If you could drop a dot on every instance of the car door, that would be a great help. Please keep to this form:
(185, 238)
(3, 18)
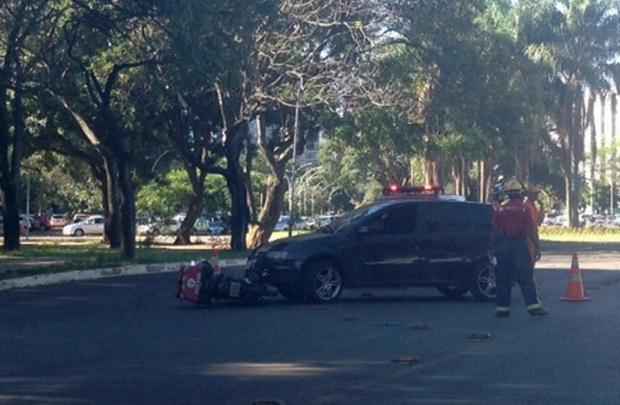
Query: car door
(387, 246)
(88, 226)
(98, 226)
(445, 228)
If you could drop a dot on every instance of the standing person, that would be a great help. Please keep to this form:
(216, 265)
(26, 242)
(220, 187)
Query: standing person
(535, 210)
(513, 226)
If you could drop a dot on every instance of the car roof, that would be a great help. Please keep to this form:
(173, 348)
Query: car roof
(404, 200)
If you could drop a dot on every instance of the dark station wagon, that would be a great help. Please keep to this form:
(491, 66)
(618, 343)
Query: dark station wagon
(410, 238)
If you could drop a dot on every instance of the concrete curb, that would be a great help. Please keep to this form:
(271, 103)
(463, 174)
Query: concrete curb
(95, 274)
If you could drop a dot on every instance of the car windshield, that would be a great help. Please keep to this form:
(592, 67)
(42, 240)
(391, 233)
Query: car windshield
(350, 217)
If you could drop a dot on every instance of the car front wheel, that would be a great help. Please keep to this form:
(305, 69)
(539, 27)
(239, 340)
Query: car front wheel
(484, 282)
(323, 281)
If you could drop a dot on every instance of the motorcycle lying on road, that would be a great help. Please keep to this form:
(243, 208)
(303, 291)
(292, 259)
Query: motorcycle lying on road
(201, 284)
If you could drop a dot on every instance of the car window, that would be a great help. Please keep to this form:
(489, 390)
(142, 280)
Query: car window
(396, 220)
(446, 217)
(99, 220)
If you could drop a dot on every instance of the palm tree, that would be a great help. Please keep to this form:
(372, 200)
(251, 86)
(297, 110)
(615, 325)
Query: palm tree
(579, 43)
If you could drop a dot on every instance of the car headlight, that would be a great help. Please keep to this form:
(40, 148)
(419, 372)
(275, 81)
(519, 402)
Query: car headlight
(277, 255)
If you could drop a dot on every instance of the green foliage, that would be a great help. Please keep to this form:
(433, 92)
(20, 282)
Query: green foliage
(171, 195)
(61, 184)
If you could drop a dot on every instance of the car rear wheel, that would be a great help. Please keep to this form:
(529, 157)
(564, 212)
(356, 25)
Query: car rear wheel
(452, 291)
(323, 281)
(483, 282)
(78, 232)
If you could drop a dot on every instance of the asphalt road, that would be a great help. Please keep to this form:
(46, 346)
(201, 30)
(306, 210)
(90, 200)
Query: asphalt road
(128, 341)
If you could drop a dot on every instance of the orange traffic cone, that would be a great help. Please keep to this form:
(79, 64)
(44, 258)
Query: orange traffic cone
(575, 291)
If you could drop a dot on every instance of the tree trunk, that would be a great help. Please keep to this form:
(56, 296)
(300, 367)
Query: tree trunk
(270, 212)
(248, 181)
(11, 148)
(570, 201)
(432, 169)
(483, 176)
(99, 174)
(522, 163)
(239, 209)
(193, 212)
(11, 214)
(613, 163)
(593, 151)
(577, 136)
(602, 133)
(460, 177)
(235, 180)
(128, 208)
(464, 177)
(113, 220)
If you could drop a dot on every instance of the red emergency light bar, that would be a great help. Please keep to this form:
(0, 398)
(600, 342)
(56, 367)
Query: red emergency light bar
(395, 190)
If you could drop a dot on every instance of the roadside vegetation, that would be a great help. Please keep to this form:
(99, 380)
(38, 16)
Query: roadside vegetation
(52, 258)
(580, 235)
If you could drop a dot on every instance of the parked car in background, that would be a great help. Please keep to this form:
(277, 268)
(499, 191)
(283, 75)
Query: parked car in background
(26, 221)
(81, 217)
(282, 224)
(39, 222)
(145, 225)
(162, 227)
(93, 225)
(217, 228)
(58, 220)
(23, 226)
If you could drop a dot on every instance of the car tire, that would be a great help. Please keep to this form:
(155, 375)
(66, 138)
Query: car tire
(452, 292)
(483, 282)
(323, 282)
(78, 232)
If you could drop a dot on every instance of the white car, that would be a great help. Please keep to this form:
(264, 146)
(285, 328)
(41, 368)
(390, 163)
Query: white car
(92, 225)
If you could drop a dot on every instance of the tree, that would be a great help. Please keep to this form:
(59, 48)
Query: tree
(172, 194)
(25, 26)
(310, 57)
(104, 44)
(209, 83)
(63, 183)
(578, 41)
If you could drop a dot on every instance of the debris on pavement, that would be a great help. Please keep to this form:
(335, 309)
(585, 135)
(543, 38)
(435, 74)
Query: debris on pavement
(407, 361)
(391, 324)
(419, 326)
(480, 337)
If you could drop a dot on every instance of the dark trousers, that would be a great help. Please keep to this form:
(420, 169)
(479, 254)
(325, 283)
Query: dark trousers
(513, 265)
